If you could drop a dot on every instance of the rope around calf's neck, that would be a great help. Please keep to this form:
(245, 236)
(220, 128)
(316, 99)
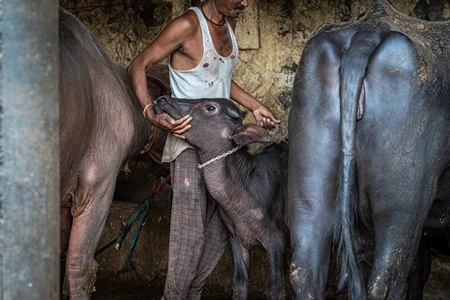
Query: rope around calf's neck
(218, 157)
(279, 128)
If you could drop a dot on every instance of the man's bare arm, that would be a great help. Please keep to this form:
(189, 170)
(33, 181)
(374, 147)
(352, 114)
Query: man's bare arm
(262, 114)
(173, 37)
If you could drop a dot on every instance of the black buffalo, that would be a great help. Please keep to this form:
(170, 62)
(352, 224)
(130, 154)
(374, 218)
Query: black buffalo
(369, 155)
(251, 189)
(102, 130)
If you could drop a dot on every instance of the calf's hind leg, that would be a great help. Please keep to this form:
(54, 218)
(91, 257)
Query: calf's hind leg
(276, 249)
(241, 266)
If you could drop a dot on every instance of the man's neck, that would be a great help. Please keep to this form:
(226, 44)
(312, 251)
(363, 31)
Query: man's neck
(211, 13)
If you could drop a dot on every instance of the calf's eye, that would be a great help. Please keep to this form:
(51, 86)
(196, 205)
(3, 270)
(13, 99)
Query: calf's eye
(210, 108)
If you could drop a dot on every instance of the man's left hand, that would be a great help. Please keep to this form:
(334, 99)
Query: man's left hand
(265, 118)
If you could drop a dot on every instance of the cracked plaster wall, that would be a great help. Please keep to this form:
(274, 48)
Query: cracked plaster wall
(271, 34)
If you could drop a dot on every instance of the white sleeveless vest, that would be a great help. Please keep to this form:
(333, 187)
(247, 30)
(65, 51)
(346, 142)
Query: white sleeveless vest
(211, 78)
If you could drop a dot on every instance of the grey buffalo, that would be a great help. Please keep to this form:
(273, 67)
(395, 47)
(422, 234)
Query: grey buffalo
(250, 189)
(102, 130)
(369, 151)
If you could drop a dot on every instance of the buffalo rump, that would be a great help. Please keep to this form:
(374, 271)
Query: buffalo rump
(101, 130)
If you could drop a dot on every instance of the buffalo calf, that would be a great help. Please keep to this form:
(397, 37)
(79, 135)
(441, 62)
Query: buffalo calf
(250, 189)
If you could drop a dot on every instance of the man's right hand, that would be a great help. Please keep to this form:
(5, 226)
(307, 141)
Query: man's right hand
(176, 127)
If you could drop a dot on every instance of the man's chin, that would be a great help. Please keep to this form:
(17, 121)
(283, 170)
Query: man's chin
(236, 13)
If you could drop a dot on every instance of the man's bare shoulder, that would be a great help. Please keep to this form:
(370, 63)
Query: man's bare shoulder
(187, 23)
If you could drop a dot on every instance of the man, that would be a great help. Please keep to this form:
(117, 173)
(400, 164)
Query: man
(203, 54)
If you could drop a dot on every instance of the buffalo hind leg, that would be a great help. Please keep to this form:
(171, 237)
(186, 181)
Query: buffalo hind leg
(65, 227)
(88, 222)
(397, 238)
(311, 252)
(420, 270)
(314, 141)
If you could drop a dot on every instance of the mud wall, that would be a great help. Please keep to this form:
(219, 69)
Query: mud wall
(271, 34)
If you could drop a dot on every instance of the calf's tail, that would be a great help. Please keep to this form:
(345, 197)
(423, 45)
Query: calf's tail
(353, 68)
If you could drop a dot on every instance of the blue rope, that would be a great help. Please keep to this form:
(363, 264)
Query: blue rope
(145, 208)
(143, 211)
(126, 228)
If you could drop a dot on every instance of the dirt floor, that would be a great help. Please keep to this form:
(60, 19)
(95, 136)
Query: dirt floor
(132, 290)
(154, 291)
(149, 257)
(135, 291)
(110, 289)
(146, 281)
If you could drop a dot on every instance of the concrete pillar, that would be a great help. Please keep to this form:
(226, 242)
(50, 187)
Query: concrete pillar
(29, 152)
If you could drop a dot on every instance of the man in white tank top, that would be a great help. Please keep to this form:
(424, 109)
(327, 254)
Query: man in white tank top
(203, 54)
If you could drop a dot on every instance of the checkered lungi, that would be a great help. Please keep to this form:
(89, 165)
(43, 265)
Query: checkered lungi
(198, 236)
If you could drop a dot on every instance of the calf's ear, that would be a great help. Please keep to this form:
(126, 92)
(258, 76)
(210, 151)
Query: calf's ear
(233, 113)
(250, 133)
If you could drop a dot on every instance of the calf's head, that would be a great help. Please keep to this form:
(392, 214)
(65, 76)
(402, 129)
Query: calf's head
(216, 123)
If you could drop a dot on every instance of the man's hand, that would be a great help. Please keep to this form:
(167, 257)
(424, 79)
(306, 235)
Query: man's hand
(265, 118)
(176, 127)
